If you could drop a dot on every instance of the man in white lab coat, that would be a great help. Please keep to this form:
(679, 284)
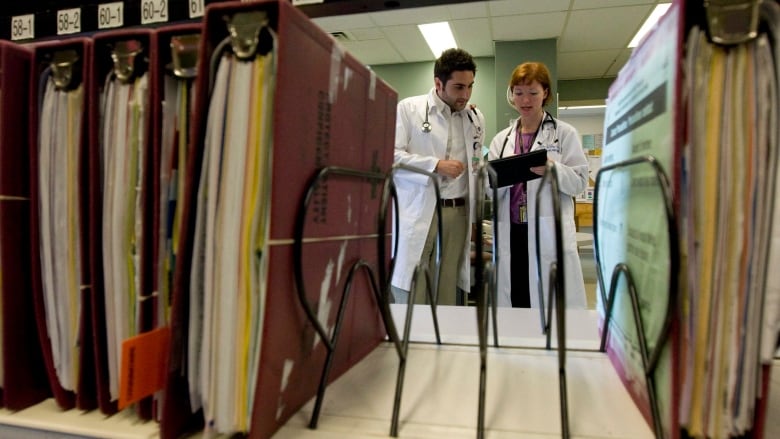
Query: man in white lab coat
(439, 133)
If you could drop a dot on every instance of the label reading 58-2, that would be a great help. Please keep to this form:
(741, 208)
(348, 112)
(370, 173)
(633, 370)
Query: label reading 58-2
(68, 21)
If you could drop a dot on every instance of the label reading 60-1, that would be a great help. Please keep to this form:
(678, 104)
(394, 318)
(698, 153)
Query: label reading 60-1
(111, 15)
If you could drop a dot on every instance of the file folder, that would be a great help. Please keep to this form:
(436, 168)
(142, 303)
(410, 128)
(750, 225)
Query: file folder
(24, 379)
(517, 168)
(70, 74)
(328, 109)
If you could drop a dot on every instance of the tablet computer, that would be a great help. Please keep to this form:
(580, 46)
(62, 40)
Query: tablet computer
(517, 168)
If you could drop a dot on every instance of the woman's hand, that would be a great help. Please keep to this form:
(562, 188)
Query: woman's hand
(539, 170)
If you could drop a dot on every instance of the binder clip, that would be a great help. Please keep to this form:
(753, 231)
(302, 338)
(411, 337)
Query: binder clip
(63, 68)
(732, 21)
(126, 59)
(184, 55)
(244, 29)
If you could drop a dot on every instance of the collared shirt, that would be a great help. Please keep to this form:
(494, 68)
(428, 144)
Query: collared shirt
(456, 150)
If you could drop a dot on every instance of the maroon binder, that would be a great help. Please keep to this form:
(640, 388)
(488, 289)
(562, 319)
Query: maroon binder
(329, 110)
(102, 66)
(84, 396)
(24, 378)
(160, 61)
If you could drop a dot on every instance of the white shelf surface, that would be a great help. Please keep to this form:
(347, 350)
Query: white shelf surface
(440, 397)
(517, 327)
(47, 420)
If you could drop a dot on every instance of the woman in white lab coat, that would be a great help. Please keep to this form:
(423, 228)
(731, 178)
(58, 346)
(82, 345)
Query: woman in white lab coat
(528, 92)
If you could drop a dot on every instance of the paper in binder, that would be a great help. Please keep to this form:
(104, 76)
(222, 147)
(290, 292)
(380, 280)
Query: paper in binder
(260, 135)
(59, 218)
(120, 214)
(22, 374)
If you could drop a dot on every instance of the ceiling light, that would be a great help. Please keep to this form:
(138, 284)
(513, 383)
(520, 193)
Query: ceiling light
(438, 36)
(658, 12)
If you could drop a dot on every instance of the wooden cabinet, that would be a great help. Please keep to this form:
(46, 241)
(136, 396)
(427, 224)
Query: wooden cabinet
(583, 214)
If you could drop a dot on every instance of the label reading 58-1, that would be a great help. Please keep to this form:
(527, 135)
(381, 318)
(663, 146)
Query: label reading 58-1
(154, 11)
(23, 27)
(68, 21)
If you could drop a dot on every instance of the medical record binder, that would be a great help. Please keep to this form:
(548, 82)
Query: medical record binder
(24, 376)
(327, 110)
(64, 64)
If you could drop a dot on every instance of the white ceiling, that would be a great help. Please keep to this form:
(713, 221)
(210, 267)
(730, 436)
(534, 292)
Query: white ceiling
(592, 34)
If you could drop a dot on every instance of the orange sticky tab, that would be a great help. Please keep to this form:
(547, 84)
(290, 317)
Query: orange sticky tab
(144, 362)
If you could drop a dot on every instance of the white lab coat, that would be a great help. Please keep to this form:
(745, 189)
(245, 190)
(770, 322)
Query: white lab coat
(565, 148)
(416, 193)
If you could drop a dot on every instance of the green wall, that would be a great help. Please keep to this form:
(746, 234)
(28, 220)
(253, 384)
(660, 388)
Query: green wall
(410, 79)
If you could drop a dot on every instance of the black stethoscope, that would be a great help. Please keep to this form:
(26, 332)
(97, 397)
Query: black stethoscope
(426, 125)
(547, 119)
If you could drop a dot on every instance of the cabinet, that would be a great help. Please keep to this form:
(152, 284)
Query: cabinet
(583, 214)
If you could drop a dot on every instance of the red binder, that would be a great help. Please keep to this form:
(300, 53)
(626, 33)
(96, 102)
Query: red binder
(102, 65)
(160, 64)
(329, 110)
(84, 396)
(24, 378)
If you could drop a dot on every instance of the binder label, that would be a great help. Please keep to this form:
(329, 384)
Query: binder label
(68, 21)
(154, 11)
(23, 27)
(196, 8)
(144, 364)
(111, 15)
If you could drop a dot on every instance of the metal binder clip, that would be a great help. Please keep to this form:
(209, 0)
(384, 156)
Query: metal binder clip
(125, 56)
(732, 21)
(62, 65)
(244, 31)
(184, 55)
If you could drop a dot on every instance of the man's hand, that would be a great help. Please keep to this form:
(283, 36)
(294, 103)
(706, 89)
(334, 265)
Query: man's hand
(449, 168)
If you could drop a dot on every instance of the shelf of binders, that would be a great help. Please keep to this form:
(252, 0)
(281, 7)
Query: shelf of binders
(35, 20)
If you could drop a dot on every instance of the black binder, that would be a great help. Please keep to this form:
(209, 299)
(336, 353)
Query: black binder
(517, 168)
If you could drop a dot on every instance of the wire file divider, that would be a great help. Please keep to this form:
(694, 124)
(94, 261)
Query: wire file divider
(385, 276)
(485, 276)
(331, 341)
(380, 284)
(650, 359)
(556, 295)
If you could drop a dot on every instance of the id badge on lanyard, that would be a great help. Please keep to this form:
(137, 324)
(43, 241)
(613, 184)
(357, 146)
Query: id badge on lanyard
(522, 214)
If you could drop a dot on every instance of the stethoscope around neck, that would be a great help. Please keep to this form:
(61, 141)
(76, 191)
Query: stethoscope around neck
(547, 119)
(426, 125)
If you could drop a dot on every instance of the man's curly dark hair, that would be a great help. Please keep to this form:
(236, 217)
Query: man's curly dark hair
(452, 60)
